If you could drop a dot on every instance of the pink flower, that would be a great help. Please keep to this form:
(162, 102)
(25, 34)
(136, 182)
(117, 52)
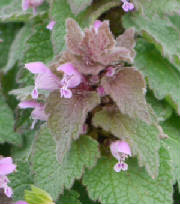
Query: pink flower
(127, 6)
(97, 24)
(20, 202)
(38, 113)
(26, 4)
(71, 79)
(51, 25)
(6, 167)
(110, 71)
(120, 150)
(100, 91)
(45, 79)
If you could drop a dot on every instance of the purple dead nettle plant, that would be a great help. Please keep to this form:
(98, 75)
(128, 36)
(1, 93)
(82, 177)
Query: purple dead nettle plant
(94, 62)
(6, 167)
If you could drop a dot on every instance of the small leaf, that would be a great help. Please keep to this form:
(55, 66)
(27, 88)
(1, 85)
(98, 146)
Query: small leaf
(162, 77)
(172, 143)
(127, 89)
(7, 134)
(54, 177)
(20, 180)
(67, 117)
(79, 5)
(37, 195)
(133, 186)
(143, 138)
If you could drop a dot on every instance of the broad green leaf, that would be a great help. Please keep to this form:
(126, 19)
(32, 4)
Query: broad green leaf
(131, 187)
(13, 12)
(7, 33)
(20, 180)
(60, 11)
(172, 129)
(161, 108)
(161, 32)
(143, 138)
(69, 197)
(153, 7)
(67, 117)
(127, 89)
(54, 177)
(162, 77)
(79, 5)
(18, 46)
(7, 134)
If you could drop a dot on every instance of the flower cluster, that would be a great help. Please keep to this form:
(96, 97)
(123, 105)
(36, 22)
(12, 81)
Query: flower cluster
(26, 4)
(120, 150)
(127, 6)
(6, 167)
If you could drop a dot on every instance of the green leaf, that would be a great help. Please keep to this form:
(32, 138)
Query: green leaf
(131, 187)
(127, 89)
(8, 31)
(7, 133)
(37, 195)
(79, 5)
(143, 138)
(171, 128)
(18, 46)
(162, 77)
(67, 117)
(54, 177)
(153, 7)
(38, 46)
(161, 108)
(20, 180)
(13, 12)
(69, 197)
(85, 18)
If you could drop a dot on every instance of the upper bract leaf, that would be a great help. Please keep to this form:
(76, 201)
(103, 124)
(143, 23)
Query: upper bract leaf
(54, 177)
(67, 116)
(127, 89)
(143, 138)
(131, 187)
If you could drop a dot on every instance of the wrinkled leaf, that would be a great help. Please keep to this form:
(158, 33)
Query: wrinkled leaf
(54, 177)
(162, 77)
(127, 89)
(143, 138)
(67, 117)
(133, 186)
(79, 5)
(69, 197)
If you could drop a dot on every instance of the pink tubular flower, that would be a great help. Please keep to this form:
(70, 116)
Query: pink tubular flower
(120, 150)
(71, 79)
(38, 113)
(26, 4)
(97, 24)
(6, 167)
(110, 71)
(127, 6)
(45, 79)
(51, 25)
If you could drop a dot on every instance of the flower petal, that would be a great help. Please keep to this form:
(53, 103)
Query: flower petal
(25, 5)
(51, 25)
(28, 104)
(37, 67)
